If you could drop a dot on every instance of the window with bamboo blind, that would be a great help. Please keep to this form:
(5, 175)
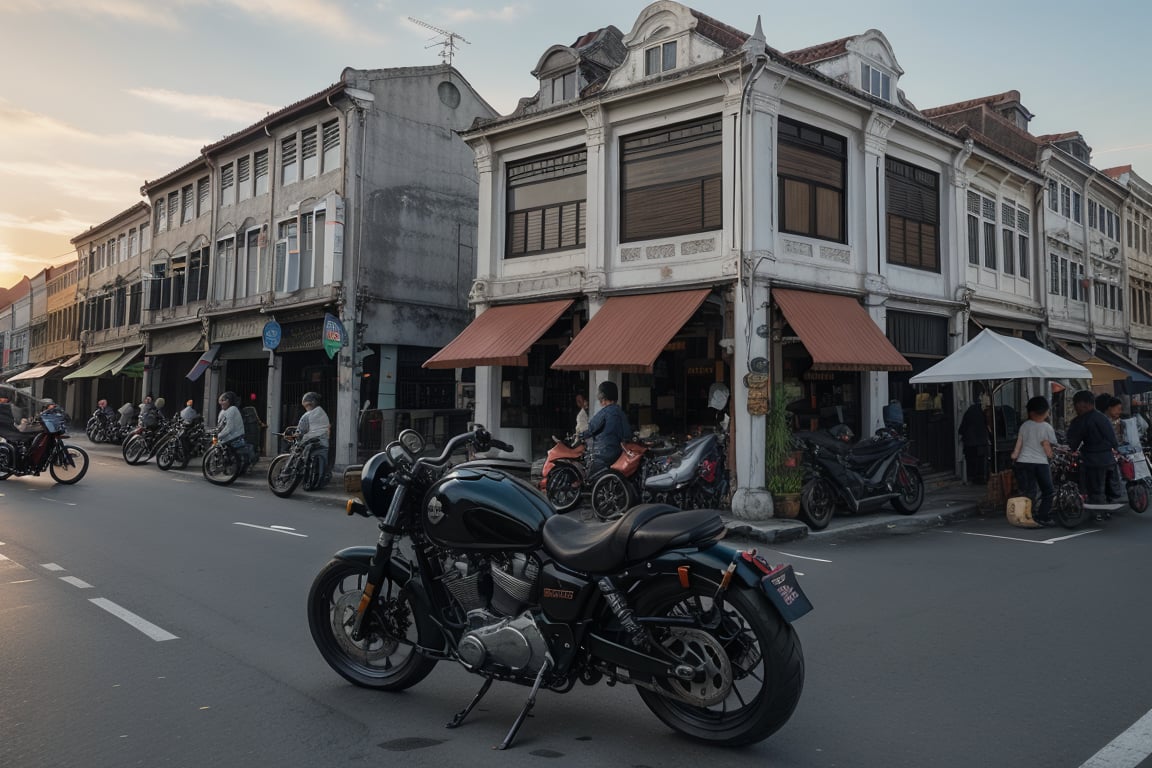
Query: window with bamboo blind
(547, 203)
(671, 181)
(913, 215)
(811, 166)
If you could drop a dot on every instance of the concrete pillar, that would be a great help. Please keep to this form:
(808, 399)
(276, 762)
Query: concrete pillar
(272, 403)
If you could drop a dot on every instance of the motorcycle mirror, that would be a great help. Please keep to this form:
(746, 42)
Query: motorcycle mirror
(412, 441)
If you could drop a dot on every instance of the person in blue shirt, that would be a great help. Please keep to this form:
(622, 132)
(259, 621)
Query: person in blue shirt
(609, 426)
(1092, 434)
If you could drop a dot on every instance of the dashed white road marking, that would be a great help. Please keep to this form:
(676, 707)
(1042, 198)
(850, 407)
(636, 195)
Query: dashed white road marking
(2, 557)
(272, 528)
(78, 583)
(1033, 541)
(57, 501)
(53, 567)
(802, 557)
(125, 615)
(242, 496)
(22, 581)
(1127, 750)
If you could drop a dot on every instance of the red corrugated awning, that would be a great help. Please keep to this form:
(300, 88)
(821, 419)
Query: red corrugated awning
(838, 334)
(500, 335)
(628, 332)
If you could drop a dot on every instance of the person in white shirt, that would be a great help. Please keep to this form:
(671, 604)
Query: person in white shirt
(1032, 453)
(581, 414)
(314, 424)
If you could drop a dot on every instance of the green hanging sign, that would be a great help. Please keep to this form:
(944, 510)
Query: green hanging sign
(333, 334)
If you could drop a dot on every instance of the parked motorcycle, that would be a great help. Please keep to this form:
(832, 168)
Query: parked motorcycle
(499, 583)
(695, 477)
(618, 488)
(301, 464)
(565, 472)
(860, 476)
(181, 442)
(141, 444)
(43, 450)
(103, 428)
(1068, 504)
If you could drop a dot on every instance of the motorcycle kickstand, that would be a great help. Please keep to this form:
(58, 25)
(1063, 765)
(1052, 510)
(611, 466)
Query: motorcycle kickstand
(531, 702)
(459, 718)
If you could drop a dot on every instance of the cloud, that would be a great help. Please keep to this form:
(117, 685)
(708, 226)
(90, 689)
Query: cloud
(80, 181)
(63, 223)
(25, 130)
(503, 13)
(137, 11)
(215, 107)
(1129, 148)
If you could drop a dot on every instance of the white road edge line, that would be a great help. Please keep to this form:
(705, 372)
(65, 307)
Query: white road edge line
(1033, 541)
(57, 501)
(147, 627)
(78, 583)
(2, 557)
(1127, 750)
(274, 530)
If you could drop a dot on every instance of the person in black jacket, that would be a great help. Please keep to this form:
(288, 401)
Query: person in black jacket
(1091, 433)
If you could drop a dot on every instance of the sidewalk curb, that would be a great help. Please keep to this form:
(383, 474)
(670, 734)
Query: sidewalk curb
(869, 526)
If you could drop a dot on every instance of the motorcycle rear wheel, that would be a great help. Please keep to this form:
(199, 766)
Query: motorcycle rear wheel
(69, 465)
(221, 467)
(386, 658)
(911, 493)
(94, 432)
(166, 455)
(135, 450)
(817, 503)
(563, 487)
(1138, 497)
(612, 496)
(282, 476)
(763, 656)
(1068, 507)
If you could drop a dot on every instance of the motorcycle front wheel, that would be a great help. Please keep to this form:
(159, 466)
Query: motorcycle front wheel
(754, 666)
(612, 496)
(817, 503)
(69, 465)
(1068, 507)
(563, 487)
(911, 491)
(93, 430)
(135, 450)
(385, 658)
(282, 476)
(166, 455)
(221, 467)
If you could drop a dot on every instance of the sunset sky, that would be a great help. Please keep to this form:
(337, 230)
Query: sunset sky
(99, 95)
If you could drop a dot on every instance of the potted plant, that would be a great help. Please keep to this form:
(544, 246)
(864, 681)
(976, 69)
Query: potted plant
(785, 478)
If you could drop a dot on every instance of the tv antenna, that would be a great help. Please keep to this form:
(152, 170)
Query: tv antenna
(445, 39)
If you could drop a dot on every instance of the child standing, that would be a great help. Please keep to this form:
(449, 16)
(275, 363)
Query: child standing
(1031, 454)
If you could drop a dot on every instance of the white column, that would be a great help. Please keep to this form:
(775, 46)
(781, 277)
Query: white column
(272, 402)
(874, 384)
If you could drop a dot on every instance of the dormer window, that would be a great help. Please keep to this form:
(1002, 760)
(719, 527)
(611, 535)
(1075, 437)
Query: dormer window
(660, 58)
(875, 82)
(564, 87)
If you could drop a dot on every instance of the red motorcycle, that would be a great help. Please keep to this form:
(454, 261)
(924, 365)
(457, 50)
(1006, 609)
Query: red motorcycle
(30, 453)
(618, 489)
(565, 472)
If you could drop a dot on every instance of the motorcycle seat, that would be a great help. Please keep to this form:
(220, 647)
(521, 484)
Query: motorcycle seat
(868, 451)
(643, 531)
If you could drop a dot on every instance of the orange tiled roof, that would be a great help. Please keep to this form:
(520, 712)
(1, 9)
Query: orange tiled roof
(820, 52)
(991, 101)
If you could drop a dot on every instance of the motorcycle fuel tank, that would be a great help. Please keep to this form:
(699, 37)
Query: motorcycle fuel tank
(484, 509)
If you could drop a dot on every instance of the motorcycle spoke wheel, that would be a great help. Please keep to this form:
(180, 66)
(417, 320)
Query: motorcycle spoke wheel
(69, 464)
(910, 485)
(1138, 497)
(282, 476)
(95, 434)
(817, 504)
(1068, 506)
(612, 496)
(166, 456)
(221, 467)
(182, 455)
(752, 663)
(135, 450)
(563, 487)
(385, 658)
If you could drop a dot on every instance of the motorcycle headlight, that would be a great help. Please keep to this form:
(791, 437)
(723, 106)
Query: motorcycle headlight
(374, 485)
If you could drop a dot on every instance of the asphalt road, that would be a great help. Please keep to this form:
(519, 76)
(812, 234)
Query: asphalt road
(148, 618)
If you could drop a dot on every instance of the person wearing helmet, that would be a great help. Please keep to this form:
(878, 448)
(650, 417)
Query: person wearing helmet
(315, 425)
(188, 413)
(610, 426)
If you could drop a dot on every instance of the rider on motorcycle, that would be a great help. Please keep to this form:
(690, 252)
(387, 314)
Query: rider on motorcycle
(314, 424)
(230, 429)
(610, 425)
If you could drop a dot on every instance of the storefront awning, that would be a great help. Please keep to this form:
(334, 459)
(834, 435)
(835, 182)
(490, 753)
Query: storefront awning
(127, 357)
(34, 373)
(175, 342)
(838, 334)
(97, 366)
(629, 332)
(203, 363)
(1141, 378)
(72, 362)
(500, 335)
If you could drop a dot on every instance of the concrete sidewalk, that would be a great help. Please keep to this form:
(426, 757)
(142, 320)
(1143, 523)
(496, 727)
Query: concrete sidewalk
(941, 506)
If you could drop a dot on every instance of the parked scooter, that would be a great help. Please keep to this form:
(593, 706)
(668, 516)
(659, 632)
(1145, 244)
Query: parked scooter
(860, 476)
(565, 472)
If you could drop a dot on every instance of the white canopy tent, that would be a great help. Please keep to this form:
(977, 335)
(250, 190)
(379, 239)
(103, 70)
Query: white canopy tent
(996, 360)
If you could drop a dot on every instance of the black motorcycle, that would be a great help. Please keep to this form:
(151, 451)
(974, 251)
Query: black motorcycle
(181, 442)
(142, 442)
(224, 462)
(105, 428)
(500, 584)
(42, 449)
(301, 464)
(857, 476)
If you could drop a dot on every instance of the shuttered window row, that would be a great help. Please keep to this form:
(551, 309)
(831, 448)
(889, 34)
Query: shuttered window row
(811, 167)
(913, 209)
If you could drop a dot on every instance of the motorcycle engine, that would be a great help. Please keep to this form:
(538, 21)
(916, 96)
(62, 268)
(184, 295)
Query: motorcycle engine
(494, 594)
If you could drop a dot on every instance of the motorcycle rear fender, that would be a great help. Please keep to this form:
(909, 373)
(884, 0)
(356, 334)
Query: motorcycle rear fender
(400, 571)
(711, 561)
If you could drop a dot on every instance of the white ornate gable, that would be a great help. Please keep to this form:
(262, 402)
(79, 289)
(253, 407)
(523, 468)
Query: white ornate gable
(660, 23)
(872, 47)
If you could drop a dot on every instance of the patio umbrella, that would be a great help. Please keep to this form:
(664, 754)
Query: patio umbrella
(995, 360)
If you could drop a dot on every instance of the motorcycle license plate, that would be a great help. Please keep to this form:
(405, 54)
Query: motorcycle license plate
(784, 591)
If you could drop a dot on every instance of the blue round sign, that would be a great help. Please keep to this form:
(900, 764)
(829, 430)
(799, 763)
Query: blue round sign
(271, 334)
